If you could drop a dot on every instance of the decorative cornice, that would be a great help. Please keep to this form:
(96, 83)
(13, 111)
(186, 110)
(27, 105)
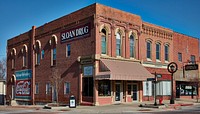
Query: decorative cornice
(153, 31)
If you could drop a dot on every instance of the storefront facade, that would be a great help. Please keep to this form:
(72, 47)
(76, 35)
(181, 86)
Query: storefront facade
(186, 52)
(97, 56)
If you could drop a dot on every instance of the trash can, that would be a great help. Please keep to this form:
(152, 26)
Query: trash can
(72, 102)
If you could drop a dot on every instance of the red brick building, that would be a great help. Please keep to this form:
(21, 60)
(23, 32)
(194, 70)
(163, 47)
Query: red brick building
(186, 52)
(99, 54)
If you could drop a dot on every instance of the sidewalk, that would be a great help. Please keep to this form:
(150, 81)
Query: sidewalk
(114, 108)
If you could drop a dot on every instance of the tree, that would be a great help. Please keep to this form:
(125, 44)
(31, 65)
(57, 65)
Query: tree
(3, 68)
(56, 82)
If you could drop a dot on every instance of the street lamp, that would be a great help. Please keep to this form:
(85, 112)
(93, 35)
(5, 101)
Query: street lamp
(172, 68)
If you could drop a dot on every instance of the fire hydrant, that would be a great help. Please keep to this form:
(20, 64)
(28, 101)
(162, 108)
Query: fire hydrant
(160, 101)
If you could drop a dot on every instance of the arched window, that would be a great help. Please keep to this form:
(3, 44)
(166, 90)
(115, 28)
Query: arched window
(132, 46)
(13, 55)
(103, 42)
(149, 47)
(158, 51)
(166, 52)
(24, 52)
(38, 52)
(53, 43)
(118, 44)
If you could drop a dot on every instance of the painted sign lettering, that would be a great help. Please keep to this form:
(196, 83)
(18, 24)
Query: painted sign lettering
(23, 84)
(74, 33)
(23, 88)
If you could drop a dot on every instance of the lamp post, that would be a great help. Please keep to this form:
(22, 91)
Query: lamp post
(172, 68)
(155, 103)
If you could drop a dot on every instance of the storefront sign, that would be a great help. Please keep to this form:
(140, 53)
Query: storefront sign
(75, 33)
(88, 70)
(191, 67)
(23, 84)
(23, 88)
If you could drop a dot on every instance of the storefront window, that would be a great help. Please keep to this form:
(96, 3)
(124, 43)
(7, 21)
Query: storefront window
(188, 90)
(104, 88)
(148, 88)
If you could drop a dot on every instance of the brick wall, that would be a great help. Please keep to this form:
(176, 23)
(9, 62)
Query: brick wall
(187, 46)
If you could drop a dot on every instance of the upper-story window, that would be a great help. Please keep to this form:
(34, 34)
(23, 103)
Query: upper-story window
(179, 56)
(166, 52)
(132, 46)
(192, 59)
(13, 56)
(38, 52)
(68, 50)
(53, 43)
(42, 57)
(118, 44)
(24, 52)
(149, 47)
(54, 56)
(157, 51)
(103, 42)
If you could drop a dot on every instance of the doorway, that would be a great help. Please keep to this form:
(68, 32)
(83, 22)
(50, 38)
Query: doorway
(135, 92)
(117, 92)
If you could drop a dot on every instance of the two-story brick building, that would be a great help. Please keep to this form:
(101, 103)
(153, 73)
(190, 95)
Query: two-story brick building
(99, 54)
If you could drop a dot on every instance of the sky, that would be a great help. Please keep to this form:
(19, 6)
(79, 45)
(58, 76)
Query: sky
(18, 16)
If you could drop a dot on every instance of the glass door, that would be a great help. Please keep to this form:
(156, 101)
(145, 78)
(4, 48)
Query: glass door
(117, 93)
(135, 92)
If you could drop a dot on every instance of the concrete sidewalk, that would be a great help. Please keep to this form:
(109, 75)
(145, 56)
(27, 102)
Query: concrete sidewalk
(114, 108)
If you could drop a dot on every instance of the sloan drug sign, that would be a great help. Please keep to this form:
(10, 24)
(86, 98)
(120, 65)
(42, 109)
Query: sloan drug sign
(75, 33)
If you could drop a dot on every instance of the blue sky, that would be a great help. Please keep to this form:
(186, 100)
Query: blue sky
(18, 16)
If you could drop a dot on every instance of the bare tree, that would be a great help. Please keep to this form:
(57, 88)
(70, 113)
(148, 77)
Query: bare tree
(196, 82)
(56, 82)
(3, 68)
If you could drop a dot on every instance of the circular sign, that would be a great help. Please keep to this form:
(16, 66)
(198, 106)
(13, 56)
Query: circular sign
(172, 67)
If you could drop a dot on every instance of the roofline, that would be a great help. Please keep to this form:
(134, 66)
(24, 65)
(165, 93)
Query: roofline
(186, 35)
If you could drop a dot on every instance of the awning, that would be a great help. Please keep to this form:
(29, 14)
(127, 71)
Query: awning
(122, 70)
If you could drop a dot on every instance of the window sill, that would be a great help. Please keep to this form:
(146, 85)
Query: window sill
(167, 62)
(148, 59)
(24, 67)
(13, 68)
(105, 55)
(157, 60)
(37, 65)
(119, 57)
(132, 58)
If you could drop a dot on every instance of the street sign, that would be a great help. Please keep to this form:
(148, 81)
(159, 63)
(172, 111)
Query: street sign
(191, 67)
(150, 79)
(159, 75)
